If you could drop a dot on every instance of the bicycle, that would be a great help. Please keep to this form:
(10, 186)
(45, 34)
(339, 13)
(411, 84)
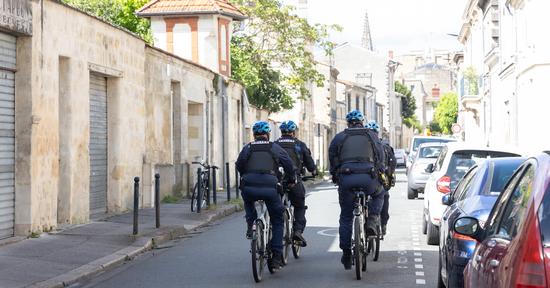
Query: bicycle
(288, 220)
(260, 245)
(199, 197)
(359, 244)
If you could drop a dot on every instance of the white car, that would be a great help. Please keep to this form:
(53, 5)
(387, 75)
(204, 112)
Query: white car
(451, 165)
(400, 157)
(417, 140)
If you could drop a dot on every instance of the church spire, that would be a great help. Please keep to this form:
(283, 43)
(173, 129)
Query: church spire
(366, 40)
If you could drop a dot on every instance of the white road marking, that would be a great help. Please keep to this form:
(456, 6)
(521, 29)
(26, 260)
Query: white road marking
(418, 254)
(420, 281)
(419, 273)
(417, 259)
(335, 246)
(418, 266)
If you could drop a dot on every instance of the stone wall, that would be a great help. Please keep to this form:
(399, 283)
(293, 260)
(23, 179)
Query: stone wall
(156, 108)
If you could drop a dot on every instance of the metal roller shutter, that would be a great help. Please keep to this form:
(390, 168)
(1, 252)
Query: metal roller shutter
(7, 134)
(98, 145)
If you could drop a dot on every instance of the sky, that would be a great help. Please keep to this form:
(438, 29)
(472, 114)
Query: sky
(398, 25)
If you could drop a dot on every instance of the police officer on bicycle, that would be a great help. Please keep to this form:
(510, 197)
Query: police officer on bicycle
(390, 164)
(301, 156)
(356, 162)
(258, 164)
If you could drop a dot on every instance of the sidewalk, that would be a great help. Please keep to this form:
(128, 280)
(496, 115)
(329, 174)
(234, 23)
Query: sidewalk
(61, 258)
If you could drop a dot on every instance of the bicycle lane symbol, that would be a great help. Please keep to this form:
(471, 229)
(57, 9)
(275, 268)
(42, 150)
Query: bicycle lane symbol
(332, 232)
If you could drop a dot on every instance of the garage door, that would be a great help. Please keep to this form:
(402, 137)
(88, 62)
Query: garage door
(7, 134)
(98, 145)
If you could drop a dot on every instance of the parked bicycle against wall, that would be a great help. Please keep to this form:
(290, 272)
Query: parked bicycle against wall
(201, 189)
(288, 220)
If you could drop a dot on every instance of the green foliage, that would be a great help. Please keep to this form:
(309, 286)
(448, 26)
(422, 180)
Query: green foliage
(171, 199)
(118, 12)
(434, 127)
(471, 84)
(446, 112)
(273, 56)
(408, 105)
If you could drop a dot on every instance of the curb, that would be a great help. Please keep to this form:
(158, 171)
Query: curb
(141, 245)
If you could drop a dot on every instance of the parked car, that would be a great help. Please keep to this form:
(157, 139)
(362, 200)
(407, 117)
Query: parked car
(417, 176)
(401, 157)
(417, 140)
(474, 196)
(514, 244)
(451, 165)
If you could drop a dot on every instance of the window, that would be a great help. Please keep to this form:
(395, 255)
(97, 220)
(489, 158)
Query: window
(464, 186)
(348, 96)
(544, 218)
(440, 160)
(357, 103)
(430, 152)
(223, 37)
(516, 208)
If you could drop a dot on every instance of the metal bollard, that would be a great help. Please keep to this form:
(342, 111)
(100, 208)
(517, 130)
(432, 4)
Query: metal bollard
(228, 181)
(136, 204)
(214, 186)
(236, 182)
(157, 199)
(199, 190)
(208, 188)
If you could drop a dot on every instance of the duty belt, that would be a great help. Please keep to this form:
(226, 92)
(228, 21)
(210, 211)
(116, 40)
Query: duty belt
(348, 171)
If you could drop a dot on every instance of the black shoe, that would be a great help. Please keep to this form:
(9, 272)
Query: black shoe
(384, 230)
(299, 239)
(346, 259)
(373, 222)
(249, 232)
(276, 261)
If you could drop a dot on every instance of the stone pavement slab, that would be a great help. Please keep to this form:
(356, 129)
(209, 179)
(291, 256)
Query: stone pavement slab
(60, 258)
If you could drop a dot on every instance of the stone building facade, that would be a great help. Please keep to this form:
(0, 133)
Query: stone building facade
(86, 107)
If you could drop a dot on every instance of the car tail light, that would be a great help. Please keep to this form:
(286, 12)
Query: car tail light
(444, 184)
(531, 272)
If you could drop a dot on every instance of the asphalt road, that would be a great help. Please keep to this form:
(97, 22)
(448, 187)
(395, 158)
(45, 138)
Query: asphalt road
(219, 255)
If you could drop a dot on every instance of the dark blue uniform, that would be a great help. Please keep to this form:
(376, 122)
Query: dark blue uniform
(390, 163)
(297, 194)
(263, 186)
(364, 175)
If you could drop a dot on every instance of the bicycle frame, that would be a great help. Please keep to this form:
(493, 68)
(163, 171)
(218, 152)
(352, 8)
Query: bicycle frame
(263, 216)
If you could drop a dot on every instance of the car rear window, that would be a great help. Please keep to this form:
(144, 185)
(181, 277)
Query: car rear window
(462, 161)
(419, 141)
(544, 218)
(430, 152)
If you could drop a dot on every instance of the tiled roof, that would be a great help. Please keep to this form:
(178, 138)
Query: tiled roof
(187, 7)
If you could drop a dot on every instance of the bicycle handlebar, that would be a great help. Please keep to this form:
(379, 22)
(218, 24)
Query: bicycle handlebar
(206, 166)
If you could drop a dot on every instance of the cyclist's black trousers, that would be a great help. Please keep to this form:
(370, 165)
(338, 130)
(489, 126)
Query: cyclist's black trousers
(297, 198)
(385, 214)
(347, 202)
(264, 187)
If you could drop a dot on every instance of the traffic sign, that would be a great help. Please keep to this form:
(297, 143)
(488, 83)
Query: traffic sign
(456, 128)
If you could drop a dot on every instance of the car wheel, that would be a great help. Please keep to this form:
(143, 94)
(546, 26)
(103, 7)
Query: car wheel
(424, 224)
(411, 194)
(440, 283)
(432, 233)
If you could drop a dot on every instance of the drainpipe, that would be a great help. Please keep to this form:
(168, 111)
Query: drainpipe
(224, 119)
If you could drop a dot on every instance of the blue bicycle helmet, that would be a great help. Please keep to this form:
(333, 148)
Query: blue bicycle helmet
(288, 126)
(355, 116)
(372, 125)
(261, 127)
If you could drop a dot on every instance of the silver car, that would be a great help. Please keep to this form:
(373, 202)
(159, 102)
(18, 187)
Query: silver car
(426, 154)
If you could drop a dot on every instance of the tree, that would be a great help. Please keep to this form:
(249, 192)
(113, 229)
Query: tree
(118, 12)
(278, 42)
(446, 112)
(408, 104)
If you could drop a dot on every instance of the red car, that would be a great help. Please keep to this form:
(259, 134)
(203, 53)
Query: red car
(514, 244)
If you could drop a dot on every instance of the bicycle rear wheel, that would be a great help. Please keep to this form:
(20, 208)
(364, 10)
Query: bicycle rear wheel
(357, 247)
(257, 252)
(375, 250)
(287, 237)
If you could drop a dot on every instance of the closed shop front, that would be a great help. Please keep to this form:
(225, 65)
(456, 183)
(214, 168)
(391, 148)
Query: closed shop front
(7, 134)
(98, 145)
